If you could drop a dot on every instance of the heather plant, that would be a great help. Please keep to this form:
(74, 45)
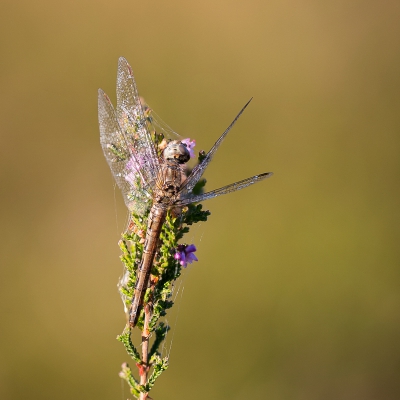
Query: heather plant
(171, 257)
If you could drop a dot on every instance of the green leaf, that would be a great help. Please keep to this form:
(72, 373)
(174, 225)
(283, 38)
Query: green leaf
(159, 366)
(125, 338)
(134, 385)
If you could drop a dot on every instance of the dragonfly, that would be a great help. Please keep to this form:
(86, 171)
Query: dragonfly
(151, 181)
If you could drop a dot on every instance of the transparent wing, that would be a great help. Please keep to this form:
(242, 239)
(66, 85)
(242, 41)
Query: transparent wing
(199, 169)
(233, 187)
(160, 125)
(135, 124)
(121, 159)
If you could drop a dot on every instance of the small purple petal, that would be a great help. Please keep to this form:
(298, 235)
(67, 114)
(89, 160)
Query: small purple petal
(190, 258)
(190, 145)
(133, 167)
(185, 254)
(190, 249)
(131, 178)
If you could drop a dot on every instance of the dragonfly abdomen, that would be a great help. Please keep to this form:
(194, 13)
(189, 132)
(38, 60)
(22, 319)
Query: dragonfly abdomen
(154, 225)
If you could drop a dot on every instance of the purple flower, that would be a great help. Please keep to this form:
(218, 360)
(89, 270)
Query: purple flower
(190, 145)
(185, 254)
(133, 166)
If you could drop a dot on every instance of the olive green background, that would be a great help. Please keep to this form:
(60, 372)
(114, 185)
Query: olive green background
(296, 294)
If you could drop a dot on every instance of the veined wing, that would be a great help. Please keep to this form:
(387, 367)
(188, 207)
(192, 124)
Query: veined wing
(121, 158)
(199, 169)
(233, 187)
(135, 124)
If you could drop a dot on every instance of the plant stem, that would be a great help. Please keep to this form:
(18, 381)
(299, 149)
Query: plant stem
(145, 348)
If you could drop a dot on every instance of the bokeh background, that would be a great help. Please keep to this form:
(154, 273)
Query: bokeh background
(296, 294)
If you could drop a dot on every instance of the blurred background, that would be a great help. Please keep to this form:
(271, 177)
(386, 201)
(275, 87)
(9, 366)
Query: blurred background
(296, 294)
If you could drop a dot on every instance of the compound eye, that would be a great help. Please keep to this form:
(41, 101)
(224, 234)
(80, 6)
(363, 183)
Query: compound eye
(178, 151)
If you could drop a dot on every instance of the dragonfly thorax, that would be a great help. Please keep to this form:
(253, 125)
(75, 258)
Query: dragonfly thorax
(169, 182)
(178, 151)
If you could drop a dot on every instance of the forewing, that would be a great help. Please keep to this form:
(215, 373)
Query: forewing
(120, 156)
(199, 169)
(233, 187)
(135, 125)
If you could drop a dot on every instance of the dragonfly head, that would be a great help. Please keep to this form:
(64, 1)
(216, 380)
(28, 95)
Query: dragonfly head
(178, 151)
